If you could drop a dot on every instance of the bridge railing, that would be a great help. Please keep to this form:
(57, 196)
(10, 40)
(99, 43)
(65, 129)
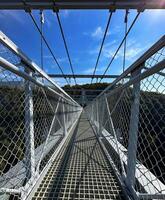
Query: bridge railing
(36, 116)
(129, 118)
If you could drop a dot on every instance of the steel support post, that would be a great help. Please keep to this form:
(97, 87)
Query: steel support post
(101, 115)
(63, 119)
(29, 130)
(95, 111)
(133, 133)
(72, 114)
(71, 110)
(91, 114)
(83, 97)
(68, 115)
(97, 115)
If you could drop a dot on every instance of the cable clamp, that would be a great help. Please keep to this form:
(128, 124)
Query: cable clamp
(42, 19)
(126, 16)
(27, 8)
(55, 9)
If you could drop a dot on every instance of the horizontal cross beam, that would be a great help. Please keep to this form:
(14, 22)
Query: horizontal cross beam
(82, 76)
(80, 90)
(78, 96)
(82, 4)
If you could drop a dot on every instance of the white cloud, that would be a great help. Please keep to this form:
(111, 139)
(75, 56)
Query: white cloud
(106, 46)
(156, 15)
(60, 60)
(115, 30)
(97, 33)
(15, 15)
(91, 70)
(48, 57)
(46, 70)
(133, 51)
(59, 81)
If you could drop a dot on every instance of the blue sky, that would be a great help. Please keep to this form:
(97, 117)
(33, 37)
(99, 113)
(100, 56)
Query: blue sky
(84, 31)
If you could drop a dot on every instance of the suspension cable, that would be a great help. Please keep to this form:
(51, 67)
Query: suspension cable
(136, 17)
(125, 42)
(101, 47)
(65, 44)
(41, 28)
(40, 32)
(35, 23)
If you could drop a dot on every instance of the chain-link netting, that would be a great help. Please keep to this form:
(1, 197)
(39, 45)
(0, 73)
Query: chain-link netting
(126, 106)
(33, 122)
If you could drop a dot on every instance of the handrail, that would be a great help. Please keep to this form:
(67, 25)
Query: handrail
(151, 51)
(17, 51)
(7, 65)
(128, 116)
(43, 113)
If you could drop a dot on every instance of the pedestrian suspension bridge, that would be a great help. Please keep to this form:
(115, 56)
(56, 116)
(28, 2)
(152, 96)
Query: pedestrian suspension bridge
(109, 146)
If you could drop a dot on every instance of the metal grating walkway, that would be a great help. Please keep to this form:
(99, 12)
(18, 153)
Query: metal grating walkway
(81, 170)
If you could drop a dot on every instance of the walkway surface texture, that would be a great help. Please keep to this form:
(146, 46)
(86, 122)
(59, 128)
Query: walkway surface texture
(81, 170)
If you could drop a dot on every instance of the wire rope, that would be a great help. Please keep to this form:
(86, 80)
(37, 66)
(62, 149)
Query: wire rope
(44, 39)
(135, 19)
(102, 43)
(66, 47)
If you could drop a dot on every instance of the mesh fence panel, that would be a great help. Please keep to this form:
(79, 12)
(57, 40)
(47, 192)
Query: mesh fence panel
(115, 121)
(32, 120)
